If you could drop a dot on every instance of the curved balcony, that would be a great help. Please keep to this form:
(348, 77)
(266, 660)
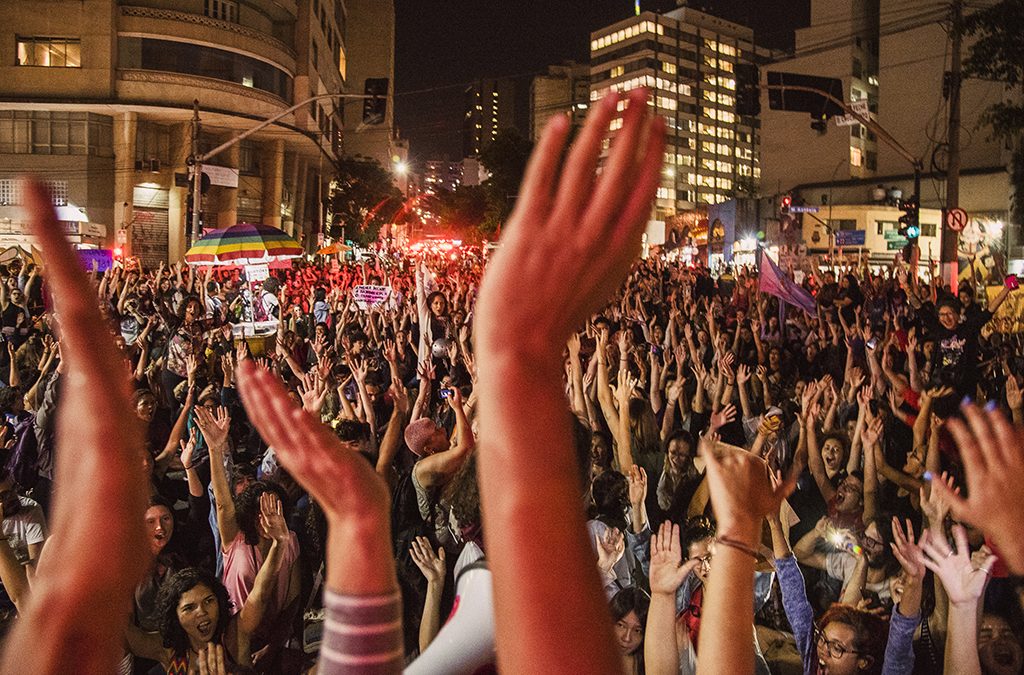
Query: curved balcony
(202, 29)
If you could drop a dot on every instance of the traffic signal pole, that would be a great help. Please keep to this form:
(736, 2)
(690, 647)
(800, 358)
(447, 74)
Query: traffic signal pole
(950, 237)
(196, 159)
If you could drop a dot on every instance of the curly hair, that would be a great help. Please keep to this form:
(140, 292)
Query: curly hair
(463, 495)
(247, 508)
(179, 583)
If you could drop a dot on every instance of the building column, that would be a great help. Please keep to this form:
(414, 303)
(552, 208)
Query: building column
(301, 190)
(292, 225)
(227, 211)
(125, 128)
(177, 208)
(272, 168)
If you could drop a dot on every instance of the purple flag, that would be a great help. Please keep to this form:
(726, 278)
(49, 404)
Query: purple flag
(773, 282)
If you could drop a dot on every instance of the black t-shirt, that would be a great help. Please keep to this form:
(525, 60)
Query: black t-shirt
(956, 356)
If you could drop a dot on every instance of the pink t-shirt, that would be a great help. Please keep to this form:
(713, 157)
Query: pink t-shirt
(241, 563)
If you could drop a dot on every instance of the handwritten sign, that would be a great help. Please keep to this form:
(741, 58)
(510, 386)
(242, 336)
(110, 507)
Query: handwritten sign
(257, 272)
(103, 258)
(371, 296)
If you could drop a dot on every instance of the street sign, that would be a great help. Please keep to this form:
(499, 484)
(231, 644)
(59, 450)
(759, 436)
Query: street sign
(850, 237)
(803, 209)
(957, 219)
(860, 107)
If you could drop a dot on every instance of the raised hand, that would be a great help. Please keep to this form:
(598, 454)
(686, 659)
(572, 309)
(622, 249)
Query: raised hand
(81, 592)
(1014, 399)
(211, 660)
(667, 570)
(723, 417)
(271, 519)
(742, 374)
(993, 455)
(907, 552)
(431, 565)
(743, 492)
(637, 484)
(188, 447)
(934, 504)
(354, 498)
(214, 426)
(313, 392)
(610, 548)
(964, 583)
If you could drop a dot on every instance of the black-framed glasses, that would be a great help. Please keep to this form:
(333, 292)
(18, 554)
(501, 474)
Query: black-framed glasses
(835, 649)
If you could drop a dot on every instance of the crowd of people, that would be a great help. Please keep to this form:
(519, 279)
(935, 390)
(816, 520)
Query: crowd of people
(586, 462)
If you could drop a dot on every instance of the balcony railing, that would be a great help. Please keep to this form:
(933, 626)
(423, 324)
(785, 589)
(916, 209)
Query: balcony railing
(203, 20)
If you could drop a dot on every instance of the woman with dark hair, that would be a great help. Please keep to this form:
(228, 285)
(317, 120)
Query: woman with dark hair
(432, 310)
(194, 611)
(680, 477)
(849, 298)
(629, 614)
(182, 344)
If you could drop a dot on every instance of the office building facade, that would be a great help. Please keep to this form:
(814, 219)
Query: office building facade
(97, 97)
(690, 62)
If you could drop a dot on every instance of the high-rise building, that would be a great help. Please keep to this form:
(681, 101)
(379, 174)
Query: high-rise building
(893, 59)
(489, 108)
(441, 175)
(692, 63)
(370, 42)
(563, 90)
(97, 96)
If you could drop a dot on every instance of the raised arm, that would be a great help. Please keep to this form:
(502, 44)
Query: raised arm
(81, 592)
(214, 428)
(541, 289)
(361, 588)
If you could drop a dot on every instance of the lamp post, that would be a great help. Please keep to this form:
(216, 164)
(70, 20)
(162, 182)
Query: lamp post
(197, 158)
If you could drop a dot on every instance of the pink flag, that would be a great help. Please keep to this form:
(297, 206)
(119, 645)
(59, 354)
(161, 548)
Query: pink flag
(773, 282)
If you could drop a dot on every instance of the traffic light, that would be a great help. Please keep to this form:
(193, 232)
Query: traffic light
(909, 222)
(375, 109)
(785, 203)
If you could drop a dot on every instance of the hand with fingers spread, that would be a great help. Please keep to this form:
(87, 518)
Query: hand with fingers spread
(81, 591)
(911, 558)
(214, 426)
(724, 416)
(567, 247)
(992, 451)
(271, 519)
(964, 583)
(352, 495)
(430, 564)
(934, 504)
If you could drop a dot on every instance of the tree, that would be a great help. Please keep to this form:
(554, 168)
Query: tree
(505, 159)
(359, 188)
(462, 210)
(997, 54)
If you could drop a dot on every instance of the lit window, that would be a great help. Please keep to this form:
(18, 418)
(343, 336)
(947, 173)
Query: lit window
(710, 62)
(727, 83)
(617, 71)
(50, 52)
(669, 68)
(615, 125)
(668, 103)
(725, 65)
(856, 158)
(684, 89)
(343, 63)
(594, 45)
(661, 29)
(708, 164)
(723, 183)
(685, 160)
(723, 167)
(707, 146)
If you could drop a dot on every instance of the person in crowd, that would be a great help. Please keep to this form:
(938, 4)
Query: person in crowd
(483, 397)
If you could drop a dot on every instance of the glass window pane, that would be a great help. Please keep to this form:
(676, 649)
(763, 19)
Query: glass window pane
(74, 55)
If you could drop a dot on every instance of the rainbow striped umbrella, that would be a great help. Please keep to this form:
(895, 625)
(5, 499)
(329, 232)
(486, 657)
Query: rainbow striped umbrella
(243, 244)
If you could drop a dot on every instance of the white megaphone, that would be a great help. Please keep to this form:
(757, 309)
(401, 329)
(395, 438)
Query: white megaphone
(465, 643)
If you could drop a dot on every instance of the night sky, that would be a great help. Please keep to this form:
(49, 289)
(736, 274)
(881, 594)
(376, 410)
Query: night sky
(442, 45)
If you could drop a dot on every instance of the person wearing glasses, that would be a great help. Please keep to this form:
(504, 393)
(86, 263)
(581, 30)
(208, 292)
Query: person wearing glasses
(847, 640)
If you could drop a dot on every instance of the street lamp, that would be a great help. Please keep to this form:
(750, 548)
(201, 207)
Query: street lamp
(197, 158)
